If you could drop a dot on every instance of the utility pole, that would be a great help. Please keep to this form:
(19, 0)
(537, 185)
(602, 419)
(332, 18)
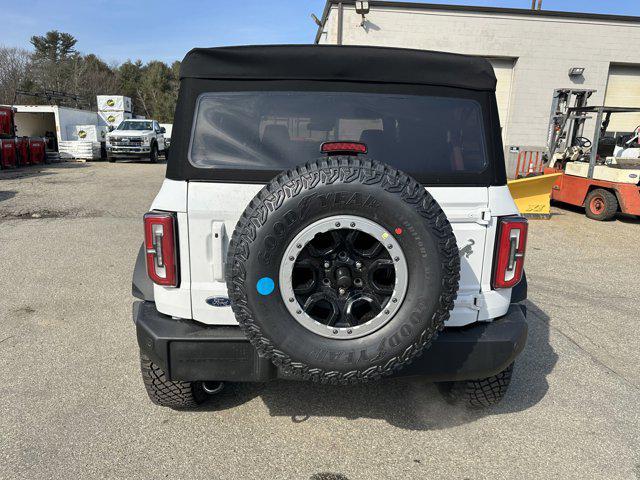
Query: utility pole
(539, 4)
(533, 4)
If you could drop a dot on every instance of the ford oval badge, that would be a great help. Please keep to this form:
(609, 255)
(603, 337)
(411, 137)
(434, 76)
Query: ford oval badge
(219, 301)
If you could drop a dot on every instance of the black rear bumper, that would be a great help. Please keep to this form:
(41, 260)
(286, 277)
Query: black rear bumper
(187, 350)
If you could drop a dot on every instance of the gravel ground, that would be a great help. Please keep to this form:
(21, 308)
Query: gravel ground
(73, 404)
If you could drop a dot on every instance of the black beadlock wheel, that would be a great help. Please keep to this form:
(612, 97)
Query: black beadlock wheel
(167, 393)
(342, 270)
(479, 393)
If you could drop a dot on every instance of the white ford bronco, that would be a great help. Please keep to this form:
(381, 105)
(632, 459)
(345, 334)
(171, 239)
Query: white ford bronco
(136, 138)
(335, 215)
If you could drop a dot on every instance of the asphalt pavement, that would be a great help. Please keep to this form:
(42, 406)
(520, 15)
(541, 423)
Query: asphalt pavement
(73, 404)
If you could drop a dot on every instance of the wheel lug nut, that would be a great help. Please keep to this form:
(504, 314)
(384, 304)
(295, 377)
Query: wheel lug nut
(292, 300)
(327, 264)
(397, 259)
(353, 224)
(389, 246)
(358, 265)
(335, 331)
(342, 291)
(395, 300)
(299, 245)
(298, 312)
(386, 312)
(349, 331)
(291, 259)
(337, 224)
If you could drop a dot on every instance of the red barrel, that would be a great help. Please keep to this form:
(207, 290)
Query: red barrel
(36, 151)
(7, 153)
(22, 149)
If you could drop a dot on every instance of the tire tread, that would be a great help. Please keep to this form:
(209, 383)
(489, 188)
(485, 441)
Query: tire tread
(167, 393)
(610, 204)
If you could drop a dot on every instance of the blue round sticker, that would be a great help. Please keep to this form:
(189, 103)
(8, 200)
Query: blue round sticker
(265, 286)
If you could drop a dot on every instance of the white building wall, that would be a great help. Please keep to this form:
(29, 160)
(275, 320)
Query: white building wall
(544, 48)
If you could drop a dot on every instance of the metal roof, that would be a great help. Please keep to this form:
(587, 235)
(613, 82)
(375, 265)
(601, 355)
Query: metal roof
(474, 9)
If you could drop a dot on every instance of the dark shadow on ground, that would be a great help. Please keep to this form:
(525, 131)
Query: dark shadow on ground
(624, 218)
(7, 194)
(38, 170)
(411, 404)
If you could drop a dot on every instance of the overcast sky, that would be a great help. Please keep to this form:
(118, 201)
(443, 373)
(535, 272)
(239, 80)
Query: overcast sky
(117, 30)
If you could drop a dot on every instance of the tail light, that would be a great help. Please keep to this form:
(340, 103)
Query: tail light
(509, 261)
(160, 245)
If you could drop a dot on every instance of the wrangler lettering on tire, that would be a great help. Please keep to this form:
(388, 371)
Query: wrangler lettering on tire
(364, 263)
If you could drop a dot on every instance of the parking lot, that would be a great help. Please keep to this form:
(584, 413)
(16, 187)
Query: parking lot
(74, 406)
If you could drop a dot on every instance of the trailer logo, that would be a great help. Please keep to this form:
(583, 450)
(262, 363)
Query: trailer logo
(82, 134)
(111, 118)
(111, 102)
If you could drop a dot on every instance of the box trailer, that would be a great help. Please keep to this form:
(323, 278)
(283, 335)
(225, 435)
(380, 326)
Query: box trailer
(51, 121)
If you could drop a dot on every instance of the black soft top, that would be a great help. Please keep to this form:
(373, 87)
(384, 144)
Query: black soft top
(339, 63)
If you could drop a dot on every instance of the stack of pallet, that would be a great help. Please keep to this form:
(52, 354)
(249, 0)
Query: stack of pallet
(113, 109)
(83, 150)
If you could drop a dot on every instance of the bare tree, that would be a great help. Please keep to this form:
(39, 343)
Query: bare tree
(14, 72)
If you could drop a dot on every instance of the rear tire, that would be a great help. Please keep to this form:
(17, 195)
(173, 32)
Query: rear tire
(601, 205)
(480, 393)
(166, 393)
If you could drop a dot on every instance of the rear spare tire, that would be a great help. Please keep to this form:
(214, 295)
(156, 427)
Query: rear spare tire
(342, 270)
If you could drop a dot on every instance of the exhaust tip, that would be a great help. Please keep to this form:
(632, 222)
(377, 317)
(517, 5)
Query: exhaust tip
(212, 388)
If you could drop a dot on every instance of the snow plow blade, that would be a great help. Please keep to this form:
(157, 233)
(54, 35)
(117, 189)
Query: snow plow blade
(532, 194)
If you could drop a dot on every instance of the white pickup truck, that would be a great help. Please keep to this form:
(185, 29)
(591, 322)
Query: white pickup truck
(136, 138)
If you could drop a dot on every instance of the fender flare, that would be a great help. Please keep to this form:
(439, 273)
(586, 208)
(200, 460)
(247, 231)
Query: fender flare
(519, 292)
(141, 284)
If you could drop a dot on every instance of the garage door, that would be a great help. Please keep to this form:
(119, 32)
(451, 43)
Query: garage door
(503, 67)
(623, 90)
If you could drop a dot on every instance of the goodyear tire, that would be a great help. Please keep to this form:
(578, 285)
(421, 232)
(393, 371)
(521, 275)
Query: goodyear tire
(356, 204)
(480, 393)
(166, 393)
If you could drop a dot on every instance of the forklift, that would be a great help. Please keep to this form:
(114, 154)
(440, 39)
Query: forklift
(600, 173)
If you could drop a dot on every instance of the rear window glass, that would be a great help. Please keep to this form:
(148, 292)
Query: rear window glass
(278, 130)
